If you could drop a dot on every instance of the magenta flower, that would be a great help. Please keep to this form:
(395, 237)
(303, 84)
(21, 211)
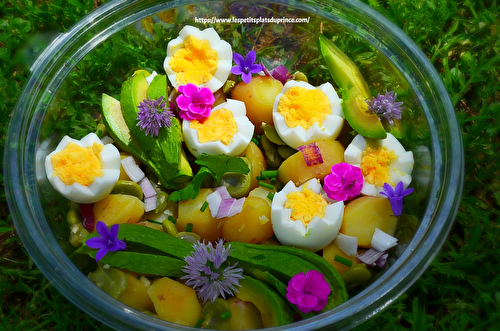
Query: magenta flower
(195, 103)
(308, 291)
(344, 182)
(107, 241)
(395, 196)
(152, 115)
(246, 66)
(386, 106)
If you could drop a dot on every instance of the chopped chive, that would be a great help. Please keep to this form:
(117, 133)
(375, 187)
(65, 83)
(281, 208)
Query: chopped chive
(266, 185)
(269, 173)
(153, 221)
(270, 196)
(226, 315)
(198, 324)
(189, 227)
(255, 141)
(172, 219)
(273, 181)
(343, 260)
(204, 206)
(280, 186)
(260, 178)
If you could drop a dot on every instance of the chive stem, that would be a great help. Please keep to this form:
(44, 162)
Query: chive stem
(204, 206)
(266, 185)
(270, 196)
(172, 219)
(198, 324)
(343, 260)
(255, 141)
(226, 315)
(189, 227)
(269, 173)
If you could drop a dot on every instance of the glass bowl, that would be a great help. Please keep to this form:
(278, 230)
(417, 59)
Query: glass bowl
(105, 44)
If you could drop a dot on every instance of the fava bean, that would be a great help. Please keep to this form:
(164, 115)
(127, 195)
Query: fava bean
(300, 76)
(128, 187)
(77, 235)
(110, 280)
(169, 227)
(273, 159)
(286, 151)
(356, 275)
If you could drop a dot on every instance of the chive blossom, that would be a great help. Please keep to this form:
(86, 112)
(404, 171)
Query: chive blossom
(153, 115)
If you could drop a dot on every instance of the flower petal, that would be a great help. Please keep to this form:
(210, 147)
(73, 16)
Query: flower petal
(239, 60)
(96, 242)
(250, 58)
(236, 70)
(100, 253)
(307, 302)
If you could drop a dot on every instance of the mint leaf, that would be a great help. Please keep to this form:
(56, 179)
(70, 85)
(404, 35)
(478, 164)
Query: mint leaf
(221, 163)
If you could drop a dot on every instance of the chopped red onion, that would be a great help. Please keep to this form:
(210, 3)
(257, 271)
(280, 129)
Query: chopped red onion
(281, 73)
(87, 217)
(214, 200)
(382, 241)
(237, 207)
(150, 203)
(147, 188)
(132, 169)
(382, 260)
(370, 257)
(225, 207)
(311, 153)
(224, 193)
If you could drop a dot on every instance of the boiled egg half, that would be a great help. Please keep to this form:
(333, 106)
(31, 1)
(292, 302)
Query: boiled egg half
(199, 57)
(83, 171)
(381, 161)
(304, 217)
(303, 113)
(226, 131)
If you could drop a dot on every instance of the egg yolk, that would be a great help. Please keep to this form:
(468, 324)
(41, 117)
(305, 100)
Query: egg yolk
(77, 164)
(304, 107)
(220, 125)
(305, 204)
(375, 164)
(195, 63)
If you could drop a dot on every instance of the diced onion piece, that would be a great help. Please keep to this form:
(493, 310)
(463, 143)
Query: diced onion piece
(237, 207)
(147, 188)
(224, 193)
(150, 203)
(382, 241)
(150, 78)
(214, 200)
(381, 261)
(107, 140)
(347, 244)
(311, 153)
(225, 207)
(370, 256)
(132, 169)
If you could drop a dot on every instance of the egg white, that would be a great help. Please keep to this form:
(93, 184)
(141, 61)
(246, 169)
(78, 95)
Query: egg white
(240, 140)
(400, 169)
(101, 186)
(298, 136)
(224, 55)
(318, 233)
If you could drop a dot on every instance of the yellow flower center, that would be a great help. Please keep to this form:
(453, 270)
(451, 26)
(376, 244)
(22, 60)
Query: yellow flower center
(220, 125)
(305, 204)
(304, 107)
(375, 165)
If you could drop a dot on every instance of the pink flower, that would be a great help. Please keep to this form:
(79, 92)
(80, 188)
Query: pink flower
(308, 291)
(195, 103)
(344, 183)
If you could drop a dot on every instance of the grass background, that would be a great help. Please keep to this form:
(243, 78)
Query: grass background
(461, 288)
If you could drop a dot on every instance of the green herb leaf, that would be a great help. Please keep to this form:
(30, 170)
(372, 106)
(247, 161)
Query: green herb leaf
(220, 164)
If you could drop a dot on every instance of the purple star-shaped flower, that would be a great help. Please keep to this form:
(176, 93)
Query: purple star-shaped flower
(386, 106)
(246, 66)
(395, 196)
(106, 241)
(195, 103)
(152, 115)
(344, 182)
(308, 291)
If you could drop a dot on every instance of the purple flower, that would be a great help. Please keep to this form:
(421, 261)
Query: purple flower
(208, 272)
(396, 196)
(152, 115)
(344, 182)
(245, 66)
(195, 103)
(308, 291)
(107, 240)
(386, 106)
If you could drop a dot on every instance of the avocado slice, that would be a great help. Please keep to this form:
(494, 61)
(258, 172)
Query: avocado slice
(273, 308)
(355, 91)
(158, 87)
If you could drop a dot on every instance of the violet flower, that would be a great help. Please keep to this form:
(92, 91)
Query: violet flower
(153, 115)
(107, 241)
(208, 272)
(344, 182)
(395, 196)
(245, 66)
(195, 103)
(308, 291)
(386, 106)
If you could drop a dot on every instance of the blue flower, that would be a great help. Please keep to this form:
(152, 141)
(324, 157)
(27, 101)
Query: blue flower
(246, 66)
(107, 240)
(208, 272)
(386, 106)
(396, 196)
(152, 115)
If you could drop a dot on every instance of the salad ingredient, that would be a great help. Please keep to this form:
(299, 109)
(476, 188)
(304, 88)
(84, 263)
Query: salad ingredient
(83, 171)
(396, 195)
(354, 90)
(270, 150)
(118, 208)
(347, 244)
(128, 187)
(296, 170)
(311, 154)
(216, 315)
(272, 307)
(88, 219)
(373, 257)
(258, 96)
(77, 231)
(244, 315)
(381, 161)
(111, 280)
(175, 302)
(332, 250)
(107, 241)
(251, 225)
(344, 182)
(303, 113)
(198, 57)
(238, 185)
(157, 86)
(154, 115)
(132, 169)
(364, 214)
(282, 74)
(355, 276)
(255, 157)
(189, 211)
(136, 294)
(301, 217)
(245, 66)
(308, 291)
(227, 131)
(385, 106)
(195, 103)
(382, 241)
